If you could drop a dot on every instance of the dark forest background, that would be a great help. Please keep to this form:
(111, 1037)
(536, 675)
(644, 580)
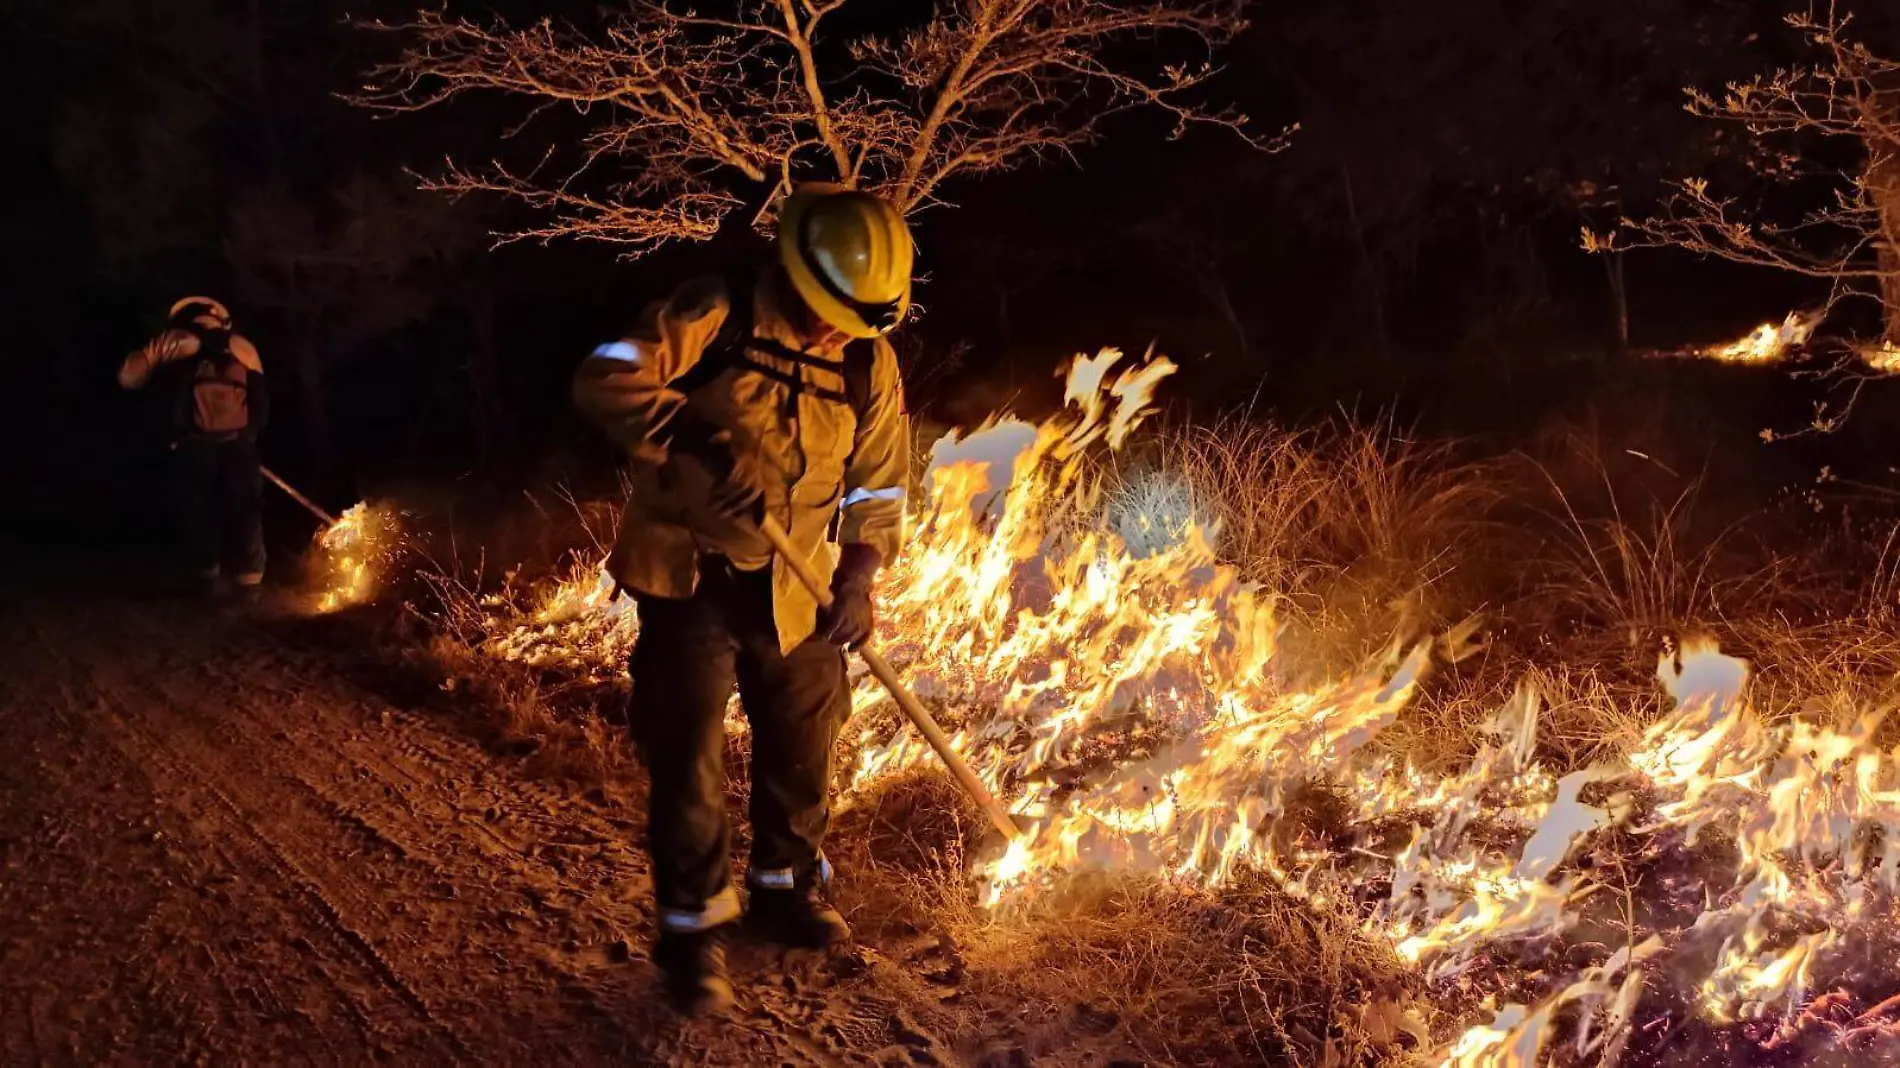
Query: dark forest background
(1414, 251)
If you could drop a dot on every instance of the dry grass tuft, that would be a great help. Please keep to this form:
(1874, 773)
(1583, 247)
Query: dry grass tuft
(557, 727)
(1648, 575)
(906, 842)
(1358, 527)
(1248, 975)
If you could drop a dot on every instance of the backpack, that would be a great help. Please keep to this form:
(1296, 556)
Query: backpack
(214, 391)
(733, 347)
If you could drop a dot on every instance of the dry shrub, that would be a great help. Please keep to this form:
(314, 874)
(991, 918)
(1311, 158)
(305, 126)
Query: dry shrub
(1830, 670)
(1648, 574)
(904, 842)
(1247, 975)
(557, 726)
(1360, 528)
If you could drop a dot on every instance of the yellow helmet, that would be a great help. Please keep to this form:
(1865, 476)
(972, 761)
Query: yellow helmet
(191, 309)
(849, 255)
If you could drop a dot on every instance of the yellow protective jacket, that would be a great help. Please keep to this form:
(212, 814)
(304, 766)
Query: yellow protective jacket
(834, 470)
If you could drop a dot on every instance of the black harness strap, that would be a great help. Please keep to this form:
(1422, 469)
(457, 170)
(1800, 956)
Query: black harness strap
(732, 334)
(733, 348)
(791, 381)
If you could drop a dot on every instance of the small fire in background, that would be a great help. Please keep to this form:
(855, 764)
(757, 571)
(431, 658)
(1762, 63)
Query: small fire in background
(352, 554)
(1881, 357)
(1766, 344)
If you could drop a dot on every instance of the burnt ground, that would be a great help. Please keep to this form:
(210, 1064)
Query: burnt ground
(217, 847)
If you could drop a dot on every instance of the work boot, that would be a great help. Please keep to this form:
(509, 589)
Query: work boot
(693, 970)
(802, 917)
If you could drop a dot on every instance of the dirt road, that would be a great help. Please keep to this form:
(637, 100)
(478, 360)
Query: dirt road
(217, 848)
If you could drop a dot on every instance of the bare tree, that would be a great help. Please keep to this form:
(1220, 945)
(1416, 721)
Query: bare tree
(1852, 240)
(680, 107)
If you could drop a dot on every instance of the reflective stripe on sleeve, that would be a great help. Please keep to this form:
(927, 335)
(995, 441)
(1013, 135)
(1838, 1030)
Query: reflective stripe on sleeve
(623, 351)
(860, 495)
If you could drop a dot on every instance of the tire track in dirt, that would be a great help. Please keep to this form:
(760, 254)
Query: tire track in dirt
(415, 918)
(538, 824)
(121, 942)
(188, 787)
(404, 894)
(517, 867)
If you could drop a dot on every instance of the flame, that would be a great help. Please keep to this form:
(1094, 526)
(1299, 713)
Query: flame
(1137, 711)
(583, 622)
(1767, 343)
(1881, 357)
(351, 555)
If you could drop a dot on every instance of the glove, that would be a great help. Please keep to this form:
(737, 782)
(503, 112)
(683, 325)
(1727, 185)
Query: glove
(851, 618)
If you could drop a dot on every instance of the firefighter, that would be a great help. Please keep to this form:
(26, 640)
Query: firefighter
(771, 391)
(219, 405)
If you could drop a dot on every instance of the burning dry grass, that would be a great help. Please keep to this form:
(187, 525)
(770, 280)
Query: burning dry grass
(1264, 831)
(1766, 344)
(1116, 963)
(353, 554)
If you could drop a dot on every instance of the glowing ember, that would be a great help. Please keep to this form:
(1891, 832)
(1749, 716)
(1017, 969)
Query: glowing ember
(1767, 343)
(351, 555)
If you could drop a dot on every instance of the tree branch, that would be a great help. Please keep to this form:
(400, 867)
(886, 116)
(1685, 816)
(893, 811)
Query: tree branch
(676, 104)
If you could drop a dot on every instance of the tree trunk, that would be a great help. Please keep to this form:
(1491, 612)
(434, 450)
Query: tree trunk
(1368, 274)
(1619, 300)
(1890, 282)
(1883, 186)
(1883, 182)
(259, 41)
(1223, 302)
(313, 407)
(489, 418)
(1005, 325)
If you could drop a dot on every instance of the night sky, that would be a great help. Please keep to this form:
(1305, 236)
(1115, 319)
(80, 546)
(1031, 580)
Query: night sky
(1414, 248)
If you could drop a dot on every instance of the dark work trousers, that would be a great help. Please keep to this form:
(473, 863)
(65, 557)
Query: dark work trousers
(219, 486)
(685, 661)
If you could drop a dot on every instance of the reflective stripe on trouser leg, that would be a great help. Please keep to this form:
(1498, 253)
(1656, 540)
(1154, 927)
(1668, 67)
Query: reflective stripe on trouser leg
(722, 909)
(772, 878)
(787, 878)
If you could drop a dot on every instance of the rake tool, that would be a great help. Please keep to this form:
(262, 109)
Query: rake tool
(327, 519)
(919, 716)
